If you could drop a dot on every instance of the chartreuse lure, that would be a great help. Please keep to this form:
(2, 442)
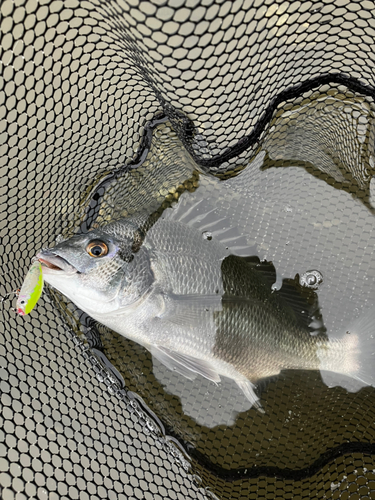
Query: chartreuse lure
(31, 289)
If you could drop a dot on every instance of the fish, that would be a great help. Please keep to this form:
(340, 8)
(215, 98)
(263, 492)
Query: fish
(187, 291)
(31, 289)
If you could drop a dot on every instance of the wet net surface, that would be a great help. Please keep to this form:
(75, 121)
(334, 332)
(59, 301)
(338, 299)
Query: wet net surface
(280, 94)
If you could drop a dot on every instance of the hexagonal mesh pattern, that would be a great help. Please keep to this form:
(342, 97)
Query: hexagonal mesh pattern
(264, 108)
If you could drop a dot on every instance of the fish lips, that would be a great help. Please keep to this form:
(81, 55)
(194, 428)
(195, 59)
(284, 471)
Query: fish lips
(54, 264)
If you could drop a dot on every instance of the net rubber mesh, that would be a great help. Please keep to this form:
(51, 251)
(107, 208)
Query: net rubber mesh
(108, 109)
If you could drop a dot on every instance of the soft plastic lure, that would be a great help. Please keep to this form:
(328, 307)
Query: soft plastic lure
(31, 289)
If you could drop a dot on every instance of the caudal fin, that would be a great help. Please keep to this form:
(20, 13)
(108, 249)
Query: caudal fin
(350, 360)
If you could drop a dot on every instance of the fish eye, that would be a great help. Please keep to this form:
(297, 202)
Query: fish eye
(97, 248)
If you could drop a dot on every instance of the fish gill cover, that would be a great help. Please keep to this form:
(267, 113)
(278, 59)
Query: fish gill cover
(260, 111)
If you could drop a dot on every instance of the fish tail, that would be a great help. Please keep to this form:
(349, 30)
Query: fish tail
(349, 359)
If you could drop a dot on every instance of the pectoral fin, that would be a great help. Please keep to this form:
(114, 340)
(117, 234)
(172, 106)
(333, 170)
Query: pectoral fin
(187, 366)
(192, 311)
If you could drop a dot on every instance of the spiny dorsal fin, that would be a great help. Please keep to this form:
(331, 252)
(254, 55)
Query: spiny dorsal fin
(204, 217)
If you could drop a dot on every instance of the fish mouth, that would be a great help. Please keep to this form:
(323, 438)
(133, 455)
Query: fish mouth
(52, 263)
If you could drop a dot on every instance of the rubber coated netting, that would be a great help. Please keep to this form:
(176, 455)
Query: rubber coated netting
(262, 111)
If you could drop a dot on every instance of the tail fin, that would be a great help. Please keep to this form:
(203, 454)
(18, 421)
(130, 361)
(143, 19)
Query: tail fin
(352, 363)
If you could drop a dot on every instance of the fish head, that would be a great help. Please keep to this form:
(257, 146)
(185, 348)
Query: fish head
(99, 271)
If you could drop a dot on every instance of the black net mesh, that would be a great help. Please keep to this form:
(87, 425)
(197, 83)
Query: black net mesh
(108, 109)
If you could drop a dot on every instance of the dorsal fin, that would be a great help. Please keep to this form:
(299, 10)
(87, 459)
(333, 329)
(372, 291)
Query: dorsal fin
(248, 277)
(204, 217)
(304, 303)
(265, 268)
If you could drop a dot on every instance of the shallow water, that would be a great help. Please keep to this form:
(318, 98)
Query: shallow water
(303, 206)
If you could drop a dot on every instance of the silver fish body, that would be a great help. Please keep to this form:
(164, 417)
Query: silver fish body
(195, 306)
